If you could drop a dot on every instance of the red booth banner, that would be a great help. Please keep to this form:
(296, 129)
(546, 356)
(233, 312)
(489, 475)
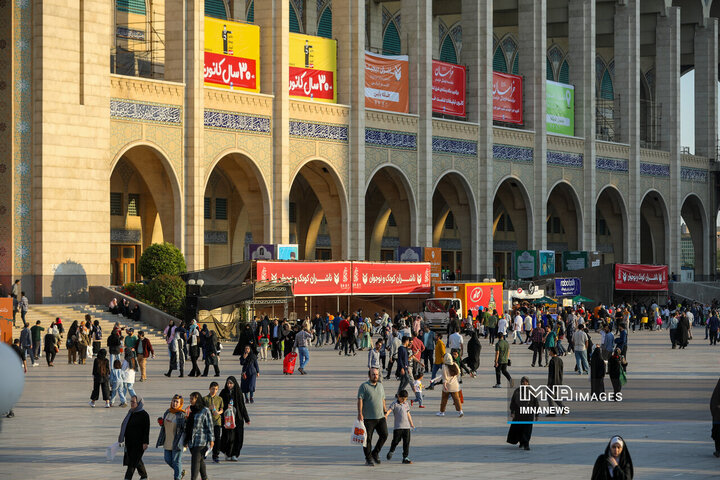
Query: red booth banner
(448, 88)
(390, 278)
(507, 98)
(641, 277)
(310, 278)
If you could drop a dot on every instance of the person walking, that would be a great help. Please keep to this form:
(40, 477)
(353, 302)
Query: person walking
(616, 372)
(199, 435)
(472, 362)
(406, 378)
(615, 463)
(537, 337)
(193, 335)
(555, 376)
(451, 386)
(303, 339)
(128, 368)
(96, 337)
(26, 344)
(135, 433)
(101, 378)
(549, 341)
(520, 427)
(144, 351)
(172, 429)
(715, 414)
(211, 352)
(713, 325)
(374, 355)
(23, 306)
(233, 435)
(371, 410)
(36, 333)
(215, 404)
(429, 354)
(82, 344)
(249, 374)
(502, 361)
(51, 348)
(172, 344)
(683, 331)
(580, 345)
(403, 424)
(597, 372)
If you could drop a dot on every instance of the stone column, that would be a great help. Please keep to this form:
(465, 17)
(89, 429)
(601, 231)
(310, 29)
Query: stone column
(581, 39)
(273, 17)
(311, 17)
(349, 30)
(532, 22)
(627, 110)
(477, 28)
(174, 41)
(667, 62)
(417, 43)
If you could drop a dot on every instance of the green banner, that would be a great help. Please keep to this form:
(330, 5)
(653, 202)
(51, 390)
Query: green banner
(526, 262)
(574, 260)
(560, 113)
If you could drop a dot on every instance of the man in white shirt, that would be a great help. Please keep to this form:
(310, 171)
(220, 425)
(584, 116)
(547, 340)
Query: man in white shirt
(503, 324)
(580, 341)
(455, 341)
(528, 327)
(517, 328)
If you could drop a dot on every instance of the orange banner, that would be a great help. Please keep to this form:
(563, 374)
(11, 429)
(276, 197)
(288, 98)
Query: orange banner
(6, 326)
(433, 255)
(387, 82)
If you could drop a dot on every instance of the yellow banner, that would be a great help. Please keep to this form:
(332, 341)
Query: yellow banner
(232, 55)
(313, 68)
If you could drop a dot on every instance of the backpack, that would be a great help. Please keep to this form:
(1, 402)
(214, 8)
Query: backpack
(229, 417)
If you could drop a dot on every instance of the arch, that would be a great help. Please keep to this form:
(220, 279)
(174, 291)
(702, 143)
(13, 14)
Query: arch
(553, 60)
(250, 15)
(295, 23)
(694, 214)
(564, 75)
(512, 223)
(549, 70)
(391, 38)
(607, 92)
(216, 8)
(448, 50)
(163, 156)
(611, 224)
(499, 62)
(564, 207)
(654, 228)
(324, 25)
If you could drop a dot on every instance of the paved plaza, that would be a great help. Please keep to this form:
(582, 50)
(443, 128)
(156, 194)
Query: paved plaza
(300, 425)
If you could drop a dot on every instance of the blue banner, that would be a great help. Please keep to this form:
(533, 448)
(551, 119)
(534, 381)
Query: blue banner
(567, 287)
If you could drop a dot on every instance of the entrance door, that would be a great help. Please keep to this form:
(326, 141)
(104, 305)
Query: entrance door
(123, 263)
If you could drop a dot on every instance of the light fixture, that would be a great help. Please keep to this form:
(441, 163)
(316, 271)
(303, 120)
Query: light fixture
(200, 282)
(191, 281)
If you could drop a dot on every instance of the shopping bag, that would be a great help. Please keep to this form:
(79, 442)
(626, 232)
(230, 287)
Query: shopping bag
(112, 451)
(229, 418)
(89, 352)
(359, 434)
(623, 376)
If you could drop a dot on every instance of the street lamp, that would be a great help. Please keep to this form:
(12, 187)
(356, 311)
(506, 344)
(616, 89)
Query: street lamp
(192, 292)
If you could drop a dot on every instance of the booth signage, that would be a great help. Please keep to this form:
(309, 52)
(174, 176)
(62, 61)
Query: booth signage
(641, 277)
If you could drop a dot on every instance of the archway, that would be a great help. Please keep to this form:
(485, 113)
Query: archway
(611, 226)
(512, 224)
(237, 209)
(389, 214)
(564, 219)
(318, 212)
(694, 235)
(653, 229)
(454, 223)
(145, 206)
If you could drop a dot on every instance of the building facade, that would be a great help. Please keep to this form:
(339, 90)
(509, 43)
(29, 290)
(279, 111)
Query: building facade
(111, 141)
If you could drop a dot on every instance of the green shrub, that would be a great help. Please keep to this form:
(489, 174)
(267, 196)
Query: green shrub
(135, 290)
(167, 293)
(161, 259)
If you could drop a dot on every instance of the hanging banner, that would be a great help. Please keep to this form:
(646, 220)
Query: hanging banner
(6, 320)
(525, 263)
(313, 68)
(232, 55)
(260, 251)
(574, 260)
(448, 88)
(410, 254)
(567, 287)
(287, 251)
(641, 277)
(390, 278)
(310, 278)
(433, 255)
(546, 263)
(507, 98)
(387, 83)
(560, 109)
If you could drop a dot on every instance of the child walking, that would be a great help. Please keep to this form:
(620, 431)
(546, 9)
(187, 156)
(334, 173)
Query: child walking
(264, 342)
(403, 424)
(116, 383)
(128, 369)
(418, 387)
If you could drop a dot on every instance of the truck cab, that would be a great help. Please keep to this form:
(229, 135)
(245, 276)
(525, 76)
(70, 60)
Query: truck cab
(436, 311)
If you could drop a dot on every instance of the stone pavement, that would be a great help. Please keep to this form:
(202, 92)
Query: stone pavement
(300, 425)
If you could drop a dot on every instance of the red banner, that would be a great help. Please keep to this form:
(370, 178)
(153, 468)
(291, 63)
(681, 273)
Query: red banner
(311, 278)
(233, 72)
(390, 278)
(641, 277)
(310, 83)
(507, 98)
(448, 88)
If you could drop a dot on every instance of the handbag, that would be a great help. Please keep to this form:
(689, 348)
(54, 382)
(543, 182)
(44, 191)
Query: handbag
(509, 364)
(623, 377)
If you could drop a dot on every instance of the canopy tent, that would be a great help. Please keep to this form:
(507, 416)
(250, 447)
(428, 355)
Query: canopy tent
(581, 299)
(544, 301)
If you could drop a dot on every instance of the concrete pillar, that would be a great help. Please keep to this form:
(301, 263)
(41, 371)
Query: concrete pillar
(349, 30)
(477, 28)
(417, 43)
(706, 92)
(532, 21)
(174, 40)
(273, 17)
(627, 109)
(581, 39)
(374, 21)
(311, 17)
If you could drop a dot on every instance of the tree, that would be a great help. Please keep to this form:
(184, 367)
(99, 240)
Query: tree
(161, 259)
(167, 292)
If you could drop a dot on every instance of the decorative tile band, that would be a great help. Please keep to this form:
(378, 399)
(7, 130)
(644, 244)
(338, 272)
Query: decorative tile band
(611, 164)
(237, 122)
(145, 112)
(452, 145)
(390, 139)
(564, 159)
(690, 174)
(512, 153)
(319, 131)
(216, 237)
(654, 169)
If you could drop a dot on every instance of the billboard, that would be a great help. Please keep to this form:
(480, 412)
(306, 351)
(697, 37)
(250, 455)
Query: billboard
(574, 260)
(448, 88)
(641, 277)
(260, 251)
(6, 320)
(434, 256)
(309, 278)
(486, 295)
(313, 68)
(507, 93)
(387, 83)
(567, 287)
(560, 110)
(390, 278)
(525, 263)
(546, 262)
(232, 55)
(287, 251)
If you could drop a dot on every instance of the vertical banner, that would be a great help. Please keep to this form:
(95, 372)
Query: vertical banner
(560, 111)
(525, 263)
(507, 98)
(448, 88)
(387, 83)
(574, 260)
(546, 263)
(433, 255)
(6, 323)
(409, 254)
(287, 251)
(232, 55)
(313, 68)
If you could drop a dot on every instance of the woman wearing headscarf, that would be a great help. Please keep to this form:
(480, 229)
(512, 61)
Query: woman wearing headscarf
(715, 412)
(172, 428)
(520, 433)
(113, 306)
(172, 344)
(615, 463)
(211, 353)
(193, 336)
(683, 331)
(451, 386)
(250, 371)
(472, 362)
(198, 435)
(615, 369)
(232, 438)
(135, 433)
(246, 338)
(101, 378)
(51, 346)
(71, 343)
(597, 372)
(83, 342)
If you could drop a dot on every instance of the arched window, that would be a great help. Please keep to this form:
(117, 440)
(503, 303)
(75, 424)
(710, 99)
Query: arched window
(215, 8)
(564, 76)
(516, 64)
(131, 6)
(549, 70)
(324, 28)
(391, 39)
(294, 22)
(251, 12)
(447, 50)
(499, 63)
(606, 87)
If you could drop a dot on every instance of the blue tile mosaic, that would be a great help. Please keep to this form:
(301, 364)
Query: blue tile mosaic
(512, 153)
(146, 112)
(390, 139)
(654, 169)
(319, 131)
(565, 159)
(690, 174)
(237, 122)
(611, 164)
(452, 145)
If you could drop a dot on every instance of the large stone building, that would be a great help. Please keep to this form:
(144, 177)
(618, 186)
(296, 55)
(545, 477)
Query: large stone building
(110, 141)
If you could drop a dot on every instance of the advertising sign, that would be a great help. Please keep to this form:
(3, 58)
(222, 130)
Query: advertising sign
(525, 263)
(232, 55)
(390, 278)
(313, 68)
(641, 277)
(310, 278)
(507, 98)
(595, 259)
(574, 260)
(546, 263)
(434, 256)
(560, 111)
(409, 254)
(486, 295)
(387, 82)
(288, 251)
(448, 88)
(260, 251)
(567, 287)
(6, 316)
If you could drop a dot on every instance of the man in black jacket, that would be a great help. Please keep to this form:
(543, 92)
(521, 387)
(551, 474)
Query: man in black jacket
(555, 375)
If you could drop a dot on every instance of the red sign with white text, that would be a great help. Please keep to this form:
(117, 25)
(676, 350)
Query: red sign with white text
(486, 295)
(641, 277)
(448, 88)
(310, 278)
(507, 98)
(390, 278)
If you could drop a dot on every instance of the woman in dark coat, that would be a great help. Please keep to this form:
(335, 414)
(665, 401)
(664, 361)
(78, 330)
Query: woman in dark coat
(683, 331)
(597, 372)
(615, 368)
(250, 371)
(715, 413)
(616, 458)
(246, 338)
(289, 340)
(473, 350)
(520, 433)
(232, 439)
(51, 348)
(135, 433)
(101, 378)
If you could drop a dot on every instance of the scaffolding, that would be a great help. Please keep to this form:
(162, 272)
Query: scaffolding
(605, 119)
(650, 124)
(138, 50)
